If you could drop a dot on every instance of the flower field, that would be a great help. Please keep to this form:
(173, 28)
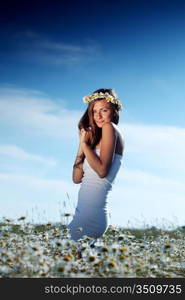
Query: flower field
(46, 250)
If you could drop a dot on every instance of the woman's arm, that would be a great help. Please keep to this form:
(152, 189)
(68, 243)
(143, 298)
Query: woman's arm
(78, 166)
(101, 165)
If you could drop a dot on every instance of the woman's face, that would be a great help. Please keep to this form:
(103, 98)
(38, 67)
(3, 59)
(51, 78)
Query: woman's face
(102, 112)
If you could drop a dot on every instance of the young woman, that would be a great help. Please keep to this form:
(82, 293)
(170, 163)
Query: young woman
(97, 163)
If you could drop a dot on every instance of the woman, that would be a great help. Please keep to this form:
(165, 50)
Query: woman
(97, 163)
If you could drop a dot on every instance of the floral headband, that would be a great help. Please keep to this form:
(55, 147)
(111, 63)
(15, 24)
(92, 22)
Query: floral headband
(106, 96)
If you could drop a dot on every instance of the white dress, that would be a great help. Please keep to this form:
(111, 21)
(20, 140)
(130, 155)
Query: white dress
(91, 214)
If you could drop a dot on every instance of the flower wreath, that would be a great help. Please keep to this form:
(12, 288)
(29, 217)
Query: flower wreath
(106, 96)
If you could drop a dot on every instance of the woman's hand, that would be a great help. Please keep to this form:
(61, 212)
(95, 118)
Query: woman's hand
(84, 136)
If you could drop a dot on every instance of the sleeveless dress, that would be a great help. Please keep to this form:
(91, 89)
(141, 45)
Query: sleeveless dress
(91, 214)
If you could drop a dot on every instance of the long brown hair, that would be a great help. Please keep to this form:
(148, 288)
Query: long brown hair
(87, 120)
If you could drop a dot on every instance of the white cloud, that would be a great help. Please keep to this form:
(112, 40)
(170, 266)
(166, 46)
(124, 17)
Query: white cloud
(23, 193)
(43, 50)
(151, 182)
(56, 46)
(162, 146)
(37, 115)
(32, 182)
(18, 153)
(141, 197)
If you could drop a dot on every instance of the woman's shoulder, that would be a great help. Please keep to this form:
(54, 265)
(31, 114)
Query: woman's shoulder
(109, 127)
(110, 124)
(116, 129)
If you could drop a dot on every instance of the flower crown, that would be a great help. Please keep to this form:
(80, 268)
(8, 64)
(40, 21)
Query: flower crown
(106, 96)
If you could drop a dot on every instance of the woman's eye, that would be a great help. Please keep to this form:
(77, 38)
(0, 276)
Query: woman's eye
(103, 110)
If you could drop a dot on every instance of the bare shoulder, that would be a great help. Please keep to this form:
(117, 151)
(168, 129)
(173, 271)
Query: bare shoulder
(109, 127)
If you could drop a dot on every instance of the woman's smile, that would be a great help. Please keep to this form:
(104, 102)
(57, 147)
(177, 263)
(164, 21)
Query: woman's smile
(99, 123)
(102, 112)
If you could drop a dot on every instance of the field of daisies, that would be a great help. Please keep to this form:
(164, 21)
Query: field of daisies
(46, 250)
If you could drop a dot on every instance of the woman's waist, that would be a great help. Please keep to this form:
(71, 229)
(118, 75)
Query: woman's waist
(90, 174)
(96, 182)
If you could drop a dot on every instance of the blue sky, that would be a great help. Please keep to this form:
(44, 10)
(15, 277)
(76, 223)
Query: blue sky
(51, 55)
